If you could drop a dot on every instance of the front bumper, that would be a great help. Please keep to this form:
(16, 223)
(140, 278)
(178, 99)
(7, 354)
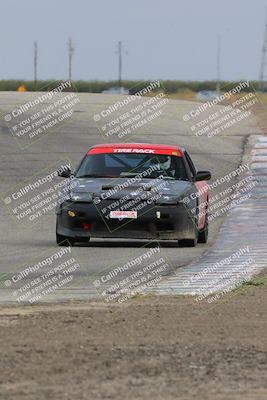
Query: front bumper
(162, 222)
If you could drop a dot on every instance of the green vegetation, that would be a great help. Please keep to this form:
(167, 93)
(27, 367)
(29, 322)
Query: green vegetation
(170, 86)
(253, 282)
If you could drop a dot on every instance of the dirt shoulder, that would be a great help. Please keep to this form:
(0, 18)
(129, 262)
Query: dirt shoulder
(150, 348)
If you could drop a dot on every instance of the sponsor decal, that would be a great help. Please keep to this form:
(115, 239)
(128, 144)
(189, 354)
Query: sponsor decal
(149, 151)
(123, 214)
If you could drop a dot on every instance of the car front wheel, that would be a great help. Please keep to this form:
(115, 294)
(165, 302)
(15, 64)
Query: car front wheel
(204, 233)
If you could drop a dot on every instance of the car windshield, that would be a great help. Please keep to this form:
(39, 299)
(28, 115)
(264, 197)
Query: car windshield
(110, 165)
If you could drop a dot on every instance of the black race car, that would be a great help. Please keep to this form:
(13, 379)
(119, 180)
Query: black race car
(136, 190)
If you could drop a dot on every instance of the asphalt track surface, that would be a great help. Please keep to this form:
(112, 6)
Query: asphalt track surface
(21, 243)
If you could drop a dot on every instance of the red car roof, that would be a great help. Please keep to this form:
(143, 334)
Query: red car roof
(135, 148)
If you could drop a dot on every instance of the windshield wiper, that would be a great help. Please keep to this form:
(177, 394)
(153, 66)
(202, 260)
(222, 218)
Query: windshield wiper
(95, 176)
(133, 174)
(127, 174)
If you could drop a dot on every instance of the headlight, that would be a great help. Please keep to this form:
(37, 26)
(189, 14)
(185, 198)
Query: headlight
(63, 201)
(81, 197)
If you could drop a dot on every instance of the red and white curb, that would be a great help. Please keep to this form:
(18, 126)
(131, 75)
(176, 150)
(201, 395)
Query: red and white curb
(240, 250)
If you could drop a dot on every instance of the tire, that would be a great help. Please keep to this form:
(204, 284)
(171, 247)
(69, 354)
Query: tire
(204, 233)
(187, 242)
(64, 240)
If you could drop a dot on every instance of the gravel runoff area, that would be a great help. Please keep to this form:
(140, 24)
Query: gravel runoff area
(149, 348)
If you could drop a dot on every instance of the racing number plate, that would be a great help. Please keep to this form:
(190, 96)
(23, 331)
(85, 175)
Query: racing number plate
(123, 214)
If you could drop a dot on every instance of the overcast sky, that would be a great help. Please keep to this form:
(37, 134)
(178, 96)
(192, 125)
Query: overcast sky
(167, 39)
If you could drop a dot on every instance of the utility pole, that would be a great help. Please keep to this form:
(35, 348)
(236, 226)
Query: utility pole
(120, 52)
(71, 52)
(35, 61)
(120, 62)
(263, 68)
(218, 86)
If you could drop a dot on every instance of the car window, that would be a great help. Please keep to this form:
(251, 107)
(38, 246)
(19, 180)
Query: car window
(119, 164)
(113, 160)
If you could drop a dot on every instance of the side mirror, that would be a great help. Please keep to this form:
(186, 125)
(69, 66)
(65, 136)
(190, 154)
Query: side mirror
(66, 173)
(203, 176)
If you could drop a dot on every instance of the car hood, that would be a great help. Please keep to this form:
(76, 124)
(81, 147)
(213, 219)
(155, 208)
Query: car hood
(88, 189)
